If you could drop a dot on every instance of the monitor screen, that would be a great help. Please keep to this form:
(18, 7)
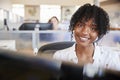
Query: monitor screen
(31, 26)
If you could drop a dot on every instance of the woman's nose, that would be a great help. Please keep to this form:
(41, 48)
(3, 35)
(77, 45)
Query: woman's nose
(85, 30)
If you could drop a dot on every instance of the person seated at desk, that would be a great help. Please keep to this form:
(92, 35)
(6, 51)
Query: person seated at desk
(54, 20)
(88, 25)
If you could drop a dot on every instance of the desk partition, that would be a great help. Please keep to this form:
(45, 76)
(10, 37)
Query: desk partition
(30, 40)
(22, 40)
(111, 39)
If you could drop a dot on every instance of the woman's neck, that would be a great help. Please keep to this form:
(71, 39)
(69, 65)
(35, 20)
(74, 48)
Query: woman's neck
(88, 50)
(85, 54)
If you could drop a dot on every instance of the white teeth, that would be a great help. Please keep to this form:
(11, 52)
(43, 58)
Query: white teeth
(83, 39)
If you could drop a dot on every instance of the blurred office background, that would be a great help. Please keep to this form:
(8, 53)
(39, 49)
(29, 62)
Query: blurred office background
(13, 13)
(18, 11)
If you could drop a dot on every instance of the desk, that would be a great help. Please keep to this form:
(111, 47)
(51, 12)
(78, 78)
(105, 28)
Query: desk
(8, 44)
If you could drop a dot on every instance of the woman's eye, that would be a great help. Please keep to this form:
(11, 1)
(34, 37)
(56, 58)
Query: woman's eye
(80, 25)
(93, 29)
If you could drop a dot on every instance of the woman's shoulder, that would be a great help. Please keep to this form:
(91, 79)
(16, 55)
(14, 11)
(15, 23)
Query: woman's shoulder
(109, 49)
(64, 53)
(109, 57)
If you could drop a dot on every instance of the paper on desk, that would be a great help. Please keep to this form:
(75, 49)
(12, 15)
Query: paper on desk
(8, 44)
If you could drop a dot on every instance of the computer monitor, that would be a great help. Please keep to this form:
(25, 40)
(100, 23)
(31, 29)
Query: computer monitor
(17, 66)
(31, 26)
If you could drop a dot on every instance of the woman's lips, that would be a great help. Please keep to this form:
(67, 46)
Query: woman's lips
(84, 39)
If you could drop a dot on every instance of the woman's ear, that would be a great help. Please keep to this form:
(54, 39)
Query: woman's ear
(73, 31)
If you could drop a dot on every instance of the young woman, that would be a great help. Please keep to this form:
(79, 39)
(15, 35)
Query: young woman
(88, 25)
(54, 20)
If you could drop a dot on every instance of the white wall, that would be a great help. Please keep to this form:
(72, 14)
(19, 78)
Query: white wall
(114, 13)
(6, 4)
(112, 7)
(53, 2)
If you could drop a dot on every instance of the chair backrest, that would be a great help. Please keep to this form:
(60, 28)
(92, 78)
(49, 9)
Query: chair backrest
(56, 46)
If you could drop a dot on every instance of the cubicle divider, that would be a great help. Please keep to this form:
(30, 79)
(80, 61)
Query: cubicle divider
(22, 40)
(111, 39)
(29, 41)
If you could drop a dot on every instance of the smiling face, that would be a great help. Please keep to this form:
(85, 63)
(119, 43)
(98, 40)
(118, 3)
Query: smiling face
(85, 33)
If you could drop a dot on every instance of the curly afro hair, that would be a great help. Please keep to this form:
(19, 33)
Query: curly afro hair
(87, 12)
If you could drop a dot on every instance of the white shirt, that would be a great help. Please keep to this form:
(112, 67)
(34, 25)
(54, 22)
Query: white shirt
(103, 57)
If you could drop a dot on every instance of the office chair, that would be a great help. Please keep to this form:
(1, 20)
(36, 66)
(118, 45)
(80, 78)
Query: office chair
(52, 47)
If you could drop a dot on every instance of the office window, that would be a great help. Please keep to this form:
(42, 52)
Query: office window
(18, 9)
(47, 11)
